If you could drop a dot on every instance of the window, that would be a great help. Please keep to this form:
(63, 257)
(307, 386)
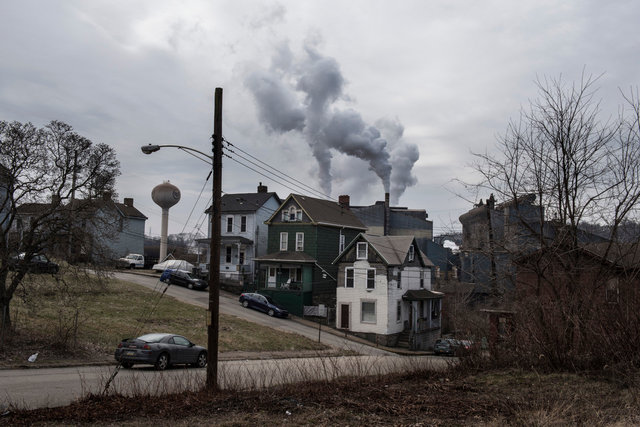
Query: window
(368, 312)
(362, 250)
(284, 241)
(371, 278)
(272, 272)
(348, 277)
(229, 224)
(341, 244)
(241, 258)
(399, 280)
(299, 242)
(292, 213)
(243, 224)
(435, 308)
(399, 311)
(227, 258)
(412, 253)
(422, 279)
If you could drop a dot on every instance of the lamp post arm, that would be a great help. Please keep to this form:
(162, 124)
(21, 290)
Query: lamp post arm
(153, 148)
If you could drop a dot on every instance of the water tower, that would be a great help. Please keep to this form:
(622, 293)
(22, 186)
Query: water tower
(165, 195)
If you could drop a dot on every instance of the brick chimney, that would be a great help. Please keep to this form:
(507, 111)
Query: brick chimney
(262, 188)
(344, 200)
(128, 201)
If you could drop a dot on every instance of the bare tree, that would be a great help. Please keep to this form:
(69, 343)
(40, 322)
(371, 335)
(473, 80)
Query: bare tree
(57, 173)
(581, 169)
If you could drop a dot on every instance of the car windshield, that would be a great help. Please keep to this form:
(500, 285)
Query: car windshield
(151, 337)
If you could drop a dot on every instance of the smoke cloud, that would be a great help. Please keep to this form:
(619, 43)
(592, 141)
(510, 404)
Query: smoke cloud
(300, 96)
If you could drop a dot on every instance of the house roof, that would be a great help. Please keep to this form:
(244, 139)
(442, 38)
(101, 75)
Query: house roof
(244, 202)
(285, 256)
(324, 212)
(392, 249)
(421, 295)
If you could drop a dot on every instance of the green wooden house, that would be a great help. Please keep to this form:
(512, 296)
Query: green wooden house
(305, 236)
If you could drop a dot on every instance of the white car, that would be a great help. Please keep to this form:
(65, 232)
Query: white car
(132, 261)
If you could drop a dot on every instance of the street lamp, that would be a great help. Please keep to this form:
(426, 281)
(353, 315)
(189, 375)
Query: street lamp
(214, 249)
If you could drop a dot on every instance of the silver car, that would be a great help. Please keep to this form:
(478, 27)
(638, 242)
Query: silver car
(160, 350)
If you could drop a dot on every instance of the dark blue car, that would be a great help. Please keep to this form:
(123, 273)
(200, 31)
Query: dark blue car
(262, 303)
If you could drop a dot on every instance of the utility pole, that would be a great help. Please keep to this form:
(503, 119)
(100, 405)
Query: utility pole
(214, 250)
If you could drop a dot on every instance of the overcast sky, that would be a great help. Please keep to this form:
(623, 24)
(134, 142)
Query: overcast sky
(348, 97)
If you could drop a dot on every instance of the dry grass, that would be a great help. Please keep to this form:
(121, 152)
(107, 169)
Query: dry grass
(78, 319)
(421, 398)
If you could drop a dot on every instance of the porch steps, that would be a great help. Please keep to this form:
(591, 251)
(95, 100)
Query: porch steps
(403, 339)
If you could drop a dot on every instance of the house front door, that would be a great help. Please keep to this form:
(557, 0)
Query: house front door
(344, 316)
(271, 278)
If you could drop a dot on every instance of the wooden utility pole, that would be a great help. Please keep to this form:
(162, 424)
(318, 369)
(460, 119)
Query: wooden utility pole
(214, 261)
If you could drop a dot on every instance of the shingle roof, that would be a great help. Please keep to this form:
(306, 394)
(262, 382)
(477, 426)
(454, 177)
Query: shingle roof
(245, 202)
(327, 212)
(392, 249)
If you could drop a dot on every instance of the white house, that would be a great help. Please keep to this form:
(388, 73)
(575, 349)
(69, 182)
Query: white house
(244, 233)
(384, 292)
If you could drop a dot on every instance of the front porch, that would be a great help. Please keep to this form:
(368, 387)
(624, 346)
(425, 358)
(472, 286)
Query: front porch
(287, 278)
(425, 322)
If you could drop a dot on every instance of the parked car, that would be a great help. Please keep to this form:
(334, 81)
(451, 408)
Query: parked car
(160, 350)
(183, 278)
(263, 303)
(131, 261)
(452, 347)
(39, 263)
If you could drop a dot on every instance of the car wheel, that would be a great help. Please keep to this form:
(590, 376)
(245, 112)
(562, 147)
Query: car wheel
(127, 365)
(271, 312)
(163, 362)
(245, 304)
(202, 360)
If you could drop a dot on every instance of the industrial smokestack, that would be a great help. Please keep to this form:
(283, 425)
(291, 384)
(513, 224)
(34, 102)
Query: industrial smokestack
(387, 212)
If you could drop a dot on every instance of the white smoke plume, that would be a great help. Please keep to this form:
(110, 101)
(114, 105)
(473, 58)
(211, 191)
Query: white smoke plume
(300, 96)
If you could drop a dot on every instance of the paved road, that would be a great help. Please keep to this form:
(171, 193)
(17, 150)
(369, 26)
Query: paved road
(50, 387)
(229, 305)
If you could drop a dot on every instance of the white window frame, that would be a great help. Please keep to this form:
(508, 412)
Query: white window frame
(362, 311)
(229, 224)
(243, 224)
(371, 281)
(299, 242)
(364, 245)
(348, 270)
(412, 253)
(284, 241)
(341, 243)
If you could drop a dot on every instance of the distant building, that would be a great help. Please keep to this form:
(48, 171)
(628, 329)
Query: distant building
(384, 220)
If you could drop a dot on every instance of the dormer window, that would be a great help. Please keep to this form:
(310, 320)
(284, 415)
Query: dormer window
(362, 250)
(292, 214)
